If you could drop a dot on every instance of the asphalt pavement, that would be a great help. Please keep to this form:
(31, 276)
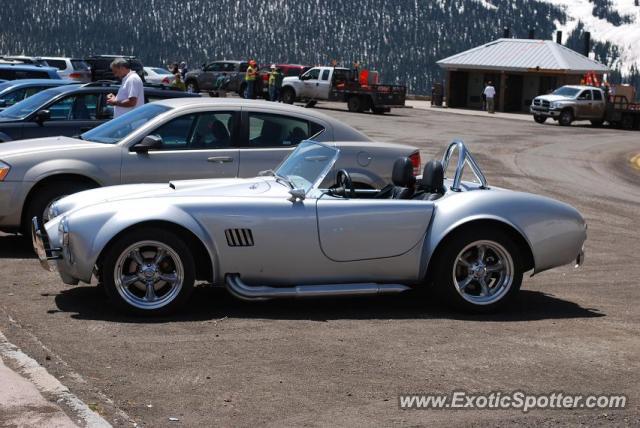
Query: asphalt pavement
(338, 362)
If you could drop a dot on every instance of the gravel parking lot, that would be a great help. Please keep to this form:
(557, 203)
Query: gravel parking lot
(344, 361)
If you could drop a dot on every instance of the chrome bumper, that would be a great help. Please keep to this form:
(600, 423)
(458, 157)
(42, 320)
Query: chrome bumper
(41, 246)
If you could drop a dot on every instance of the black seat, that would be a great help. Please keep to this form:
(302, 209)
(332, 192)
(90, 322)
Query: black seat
(431, 187)
(403, 180)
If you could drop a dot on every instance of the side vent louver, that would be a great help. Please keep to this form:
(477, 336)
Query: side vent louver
(239, 237)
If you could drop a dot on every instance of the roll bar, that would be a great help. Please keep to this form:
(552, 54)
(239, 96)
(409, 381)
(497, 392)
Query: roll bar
(464, 157)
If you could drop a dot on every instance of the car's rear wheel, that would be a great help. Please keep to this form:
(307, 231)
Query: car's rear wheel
(288, 96)
(149, 271)
(192, 87)
(566, 117)
(45, 196)
(355, 104)
(539, 118)
(478, 270)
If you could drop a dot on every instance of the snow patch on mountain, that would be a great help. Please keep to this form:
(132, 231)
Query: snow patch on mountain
(626, 36)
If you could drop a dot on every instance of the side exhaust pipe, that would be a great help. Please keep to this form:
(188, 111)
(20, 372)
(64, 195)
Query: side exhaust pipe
(242, 291)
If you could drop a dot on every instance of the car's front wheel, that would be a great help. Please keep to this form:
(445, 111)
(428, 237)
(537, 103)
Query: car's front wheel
(149, 271)
(478, 270)
(566, 117)
(288, 96)
(539, 118)
(45, 196)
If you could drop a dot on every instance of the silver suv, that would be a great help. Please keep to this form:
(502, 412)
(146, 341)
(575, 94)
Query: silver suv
(70, 68)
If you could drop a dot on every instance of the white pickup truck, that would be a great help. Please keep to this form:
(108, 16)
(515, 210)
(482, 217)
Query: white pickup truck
(338, 84)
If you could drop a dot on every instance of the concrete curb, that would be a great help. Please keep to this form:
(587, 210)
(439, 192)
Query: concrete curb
(45, 383)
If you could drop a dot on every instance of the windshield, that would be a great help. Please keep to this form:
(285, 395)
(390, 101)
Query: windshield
(566, 91)
(309, 163)
(27, 106)
(116, 129)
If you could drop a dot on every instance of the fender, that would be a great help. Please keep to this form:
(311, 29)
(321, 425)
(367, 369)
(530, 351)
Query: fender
(53, 167)
(553, 231)
(92, 228)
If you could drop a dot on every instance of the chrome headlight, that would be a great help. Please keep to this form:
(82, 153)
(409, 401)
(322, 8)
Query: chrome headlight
(555, 105)
(63, 239)
(63, 232)
(4, 170)
(54, 211)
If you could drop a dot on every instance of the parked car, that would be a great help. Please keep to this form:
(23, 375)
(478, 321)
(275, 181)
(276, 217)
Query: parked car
(338, 84)
(204, 79)
(190, 138)
(14, 91)
(287, 234)
(70, 68)
(288, 70)
(576, 102)
(14, 71)
(101, 66)
(67, 110)
(158, 76)
(23, 59)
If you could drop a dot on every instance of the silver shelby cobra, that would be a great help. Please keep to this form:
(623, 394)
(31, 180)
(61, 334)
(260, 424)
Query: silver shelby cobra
(304, 230)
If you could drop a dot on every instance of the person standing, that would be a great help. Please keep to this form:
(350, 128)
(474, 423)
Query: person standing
(131, 92)
(490, 94)
(183, 70)
(250, 79)
(275, 83)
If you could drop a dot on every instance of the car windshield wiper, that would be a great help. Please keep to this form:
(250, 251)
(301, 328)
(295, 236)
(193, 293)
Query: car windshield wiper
(279, 178)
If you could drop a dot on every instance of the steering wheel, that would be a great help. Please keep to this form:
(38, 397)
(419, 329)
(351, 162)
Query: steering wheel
(345, 184)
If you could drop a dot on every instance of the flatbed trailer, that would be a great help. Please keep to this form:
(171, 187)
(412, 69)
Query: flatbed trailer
(621, 113)
(378, 98)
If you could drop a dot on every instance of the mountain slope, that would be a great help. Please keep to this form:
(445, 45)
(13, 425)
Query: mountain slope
(402, 39)
(616, 22)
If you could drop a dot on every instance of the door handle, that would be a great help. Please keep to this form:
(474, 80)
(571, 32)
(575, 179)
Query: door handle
(220, 159)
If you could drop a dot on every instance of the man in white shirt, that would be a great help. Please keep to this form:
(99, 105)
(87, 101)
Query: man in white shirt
(131, 92)
(490, 94)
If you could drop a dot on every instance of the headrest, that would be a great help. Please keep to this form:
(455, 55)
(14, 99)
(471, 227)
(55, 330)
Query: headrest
(402, 174)
(433, 177)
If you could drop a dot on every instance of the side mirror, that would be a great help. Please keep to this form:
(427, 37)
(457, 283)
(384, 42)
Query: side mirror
(3, 103)
(300, 77)
(297, 194)
(149, 142)
(42, 116)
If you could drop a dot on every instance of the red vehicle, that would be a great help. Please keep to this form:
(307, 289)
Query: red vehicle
(287, 70)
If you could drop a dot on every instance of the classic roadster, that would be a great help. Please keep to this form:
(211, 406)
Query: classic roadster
(286, 233)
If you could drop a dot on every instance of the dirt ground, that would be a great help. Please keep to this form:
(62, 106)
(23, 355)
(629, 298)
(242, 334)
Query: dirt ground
(338, 362)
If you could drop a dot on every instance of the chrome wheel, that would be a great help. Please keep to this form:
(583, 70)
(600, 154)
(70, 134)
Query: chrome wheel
(148, 275)
(483, 272)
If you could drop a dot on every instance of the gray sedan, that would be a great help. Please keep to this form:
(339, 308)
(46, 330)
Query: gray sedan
(188, 138)
(304, 231)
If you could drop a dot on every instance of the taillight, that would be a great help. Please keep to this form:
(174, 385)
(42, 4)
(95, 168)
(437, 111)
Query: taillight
(75, 76)
(415, 161)
(165, 80)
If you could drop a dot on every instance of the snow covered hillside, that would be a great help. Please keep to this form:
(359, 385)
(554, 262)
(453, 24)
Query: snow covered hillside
(613, 21)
